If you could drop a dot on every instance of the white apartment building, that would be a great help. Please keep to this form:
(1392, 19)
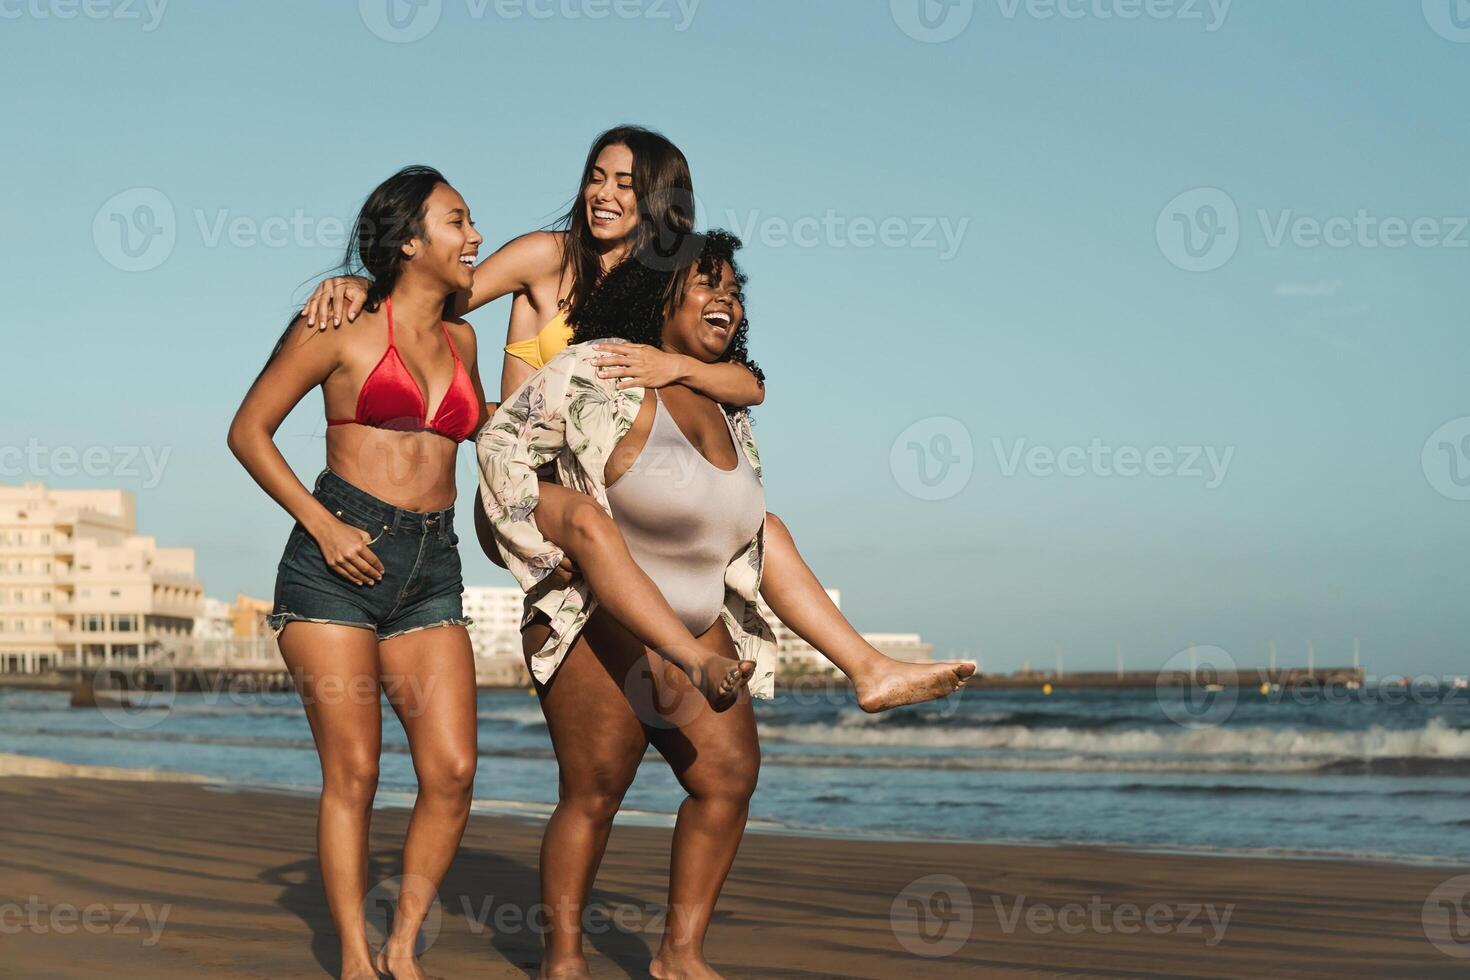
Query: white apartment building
(901, 646)
(496, 636)
(215, 622)
(794, 652)
(496, 611)
(79, 587)
(791, 650)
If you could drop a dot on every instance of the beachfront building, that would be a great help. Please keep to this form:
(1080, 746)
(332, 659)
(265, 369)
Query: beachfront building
(496, 633)
(79, 587)
(230, 634)
(797, 656)
(214, 624)
(496, 638)
(793, 654)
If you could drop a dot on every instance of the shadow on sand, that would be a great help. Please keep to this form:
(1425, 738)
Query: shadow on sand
(491, 892)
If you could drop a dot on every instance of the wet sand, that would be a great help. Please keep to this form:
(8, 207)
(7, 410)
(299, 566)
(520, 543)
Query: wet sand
(175, 879)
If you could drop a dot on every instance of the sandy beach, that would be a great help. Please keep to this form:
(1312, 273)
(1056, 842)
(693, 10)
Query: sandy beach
(129, 878)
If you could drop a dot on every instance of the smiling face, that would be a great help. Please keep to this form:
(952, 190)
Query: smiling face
(612, 206)
(703, 323)
(446, 250)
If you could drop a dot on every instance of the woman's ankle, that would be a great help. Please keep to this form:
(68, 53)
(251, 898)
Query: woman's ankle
(682, 953)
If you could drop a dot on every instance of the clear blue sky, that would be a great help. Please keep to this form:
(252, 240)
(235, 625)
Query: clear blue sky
(1058, 312)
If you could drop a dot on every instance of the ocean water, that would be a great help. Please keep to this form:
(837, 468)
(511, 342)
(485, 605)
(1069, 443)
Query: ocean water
(1381, 774)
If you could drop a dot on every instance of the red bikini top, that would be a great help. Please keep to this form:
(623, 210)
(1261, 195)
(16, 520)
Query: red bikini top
(390, 398)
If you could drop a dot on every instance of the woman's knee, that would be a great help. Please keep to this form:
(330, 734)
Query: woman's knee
(731, 779)
(353, 778)
(588, 526)
(596, 795)
(774, 525)
(451, 775)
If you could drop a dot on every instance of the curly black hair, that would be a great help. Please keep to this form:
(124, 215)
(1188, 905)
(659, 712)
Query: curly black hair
(634, 299)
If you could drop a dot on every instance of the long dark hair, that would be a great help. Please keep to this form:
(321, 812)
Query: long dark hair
(665, 193)
(635, 298)
(392, 215)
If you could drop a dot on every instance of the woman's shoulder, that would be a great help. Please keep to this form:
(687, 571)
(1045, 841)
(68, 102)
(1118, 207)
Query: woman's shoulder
(367, 333)
(460, 332)
(542, 249)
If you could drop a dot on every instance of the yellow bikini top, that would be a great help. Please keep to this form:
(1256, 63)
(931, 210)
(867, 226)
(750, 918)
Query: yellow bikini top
(537, 350)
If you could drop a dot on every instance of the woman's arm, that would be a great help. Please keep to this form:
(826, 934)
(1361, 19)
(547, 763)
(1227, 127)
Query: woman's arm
(304, 361)
(509, 269)
(642, 366)
(523, 435)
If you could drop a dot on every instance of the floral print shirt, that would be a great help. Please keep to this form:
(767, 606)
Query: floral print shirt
(565, 413)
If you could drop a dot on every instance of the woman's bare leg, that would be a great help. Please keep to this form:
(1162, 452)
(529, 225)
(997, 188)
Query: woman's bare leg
(716, 757)
(335, 669)
(575, 523)
(789, 587)
(599, 742)
(428, 677)
(797, 598)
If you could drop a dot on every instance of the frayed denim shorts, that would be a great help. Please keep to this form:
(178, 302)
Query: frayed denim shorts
(421, 585)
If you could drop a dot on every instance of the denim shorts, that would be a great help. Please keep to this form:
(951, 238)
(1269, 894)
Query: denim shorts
(421, 585)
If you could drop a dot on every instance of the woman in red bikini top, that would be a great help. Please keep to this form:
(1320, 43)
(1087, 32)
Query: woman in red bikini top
(369, 591)
(390, 398)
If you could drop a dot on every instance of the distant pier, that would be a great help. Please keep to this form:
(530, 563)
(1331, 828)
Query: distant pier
(1284, 678)
(262, 679)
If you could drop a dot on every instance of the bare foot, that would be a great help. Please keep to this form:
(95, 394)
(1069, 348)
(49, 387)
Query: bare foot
(358, 971)
(665, 967)
(898, 683)
(720, 679)
(564, 969)
(399, 963)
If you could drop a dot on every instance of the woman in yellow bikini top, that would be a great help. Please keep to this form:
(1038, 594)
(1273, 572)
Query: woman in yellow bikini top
(537, 350)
